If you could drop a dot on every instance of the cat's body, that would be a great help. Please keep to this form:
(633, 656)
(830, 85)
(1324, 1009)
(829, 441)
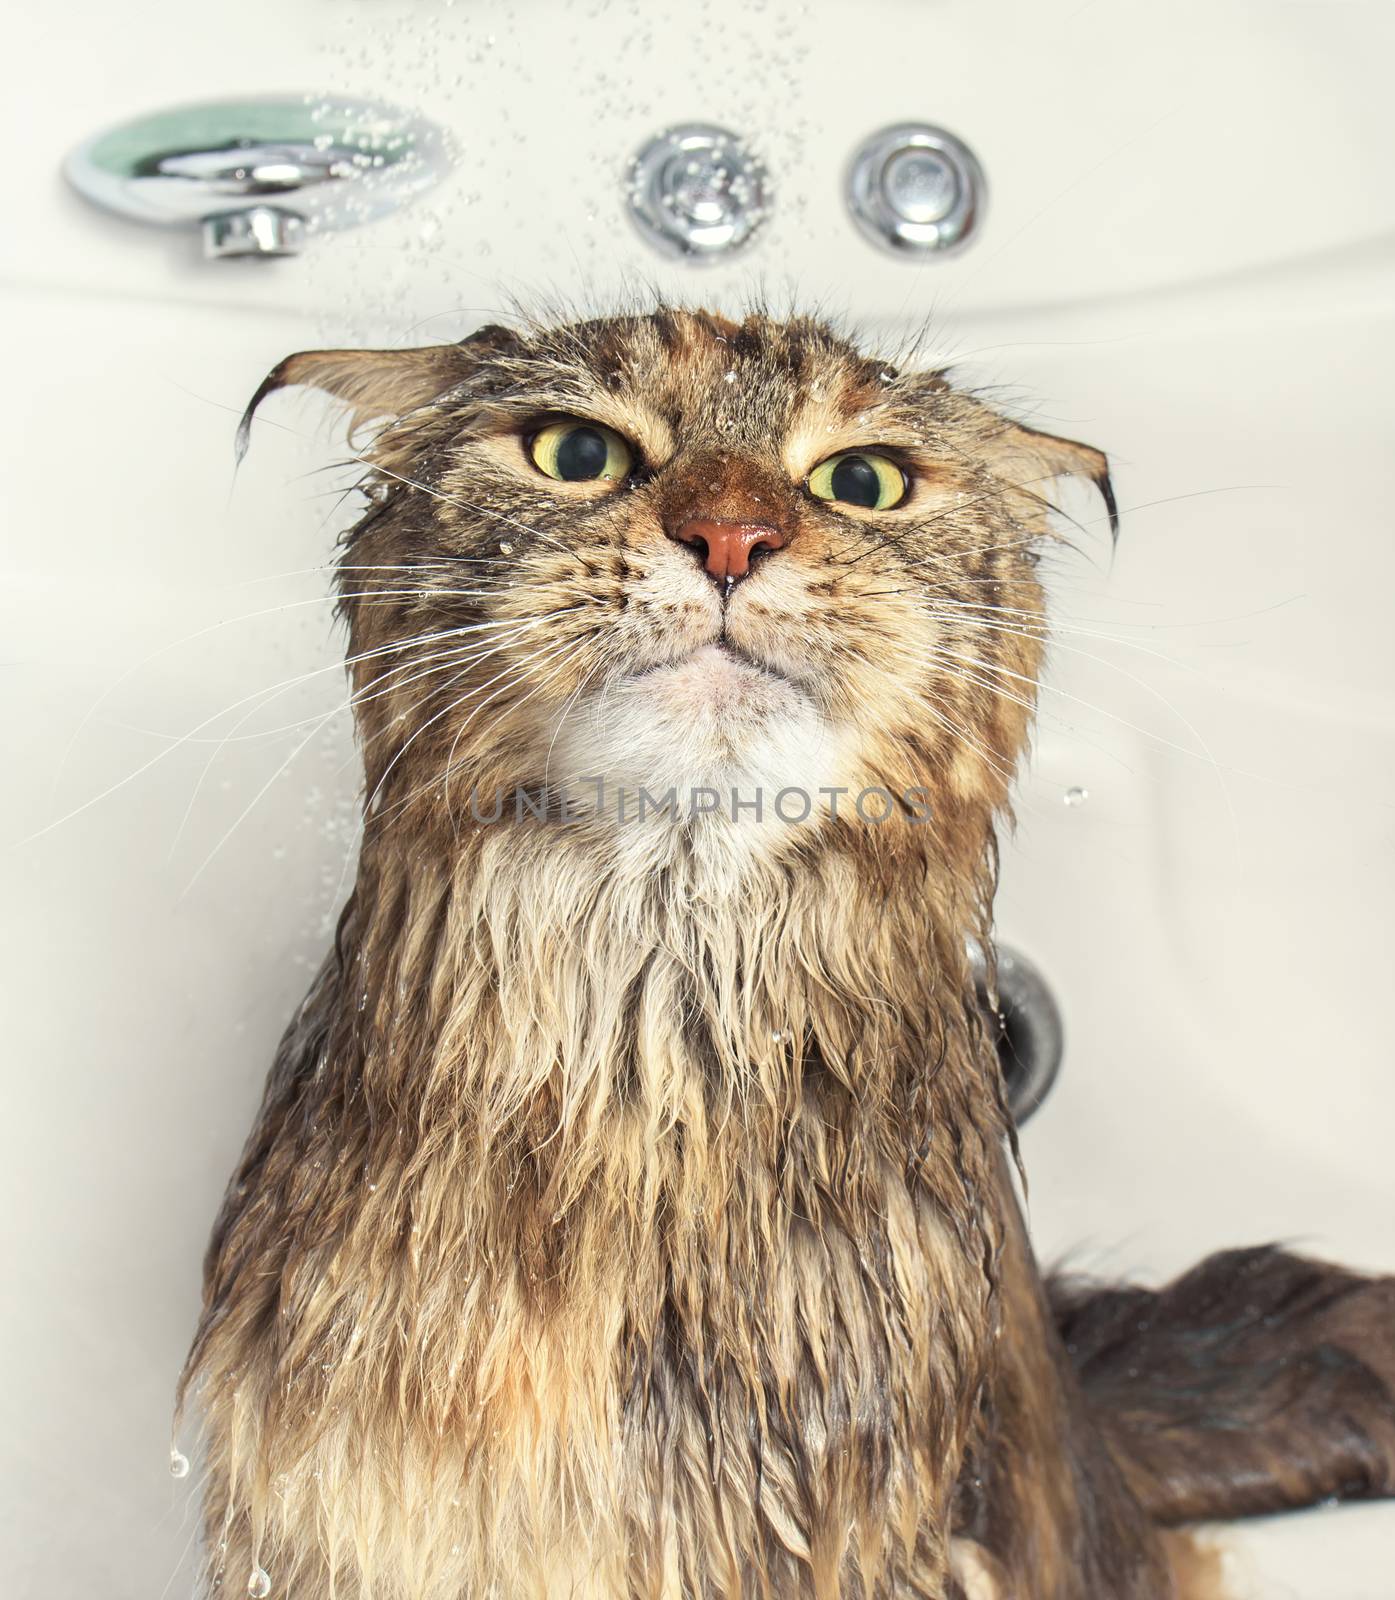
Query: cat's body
(630, 1212)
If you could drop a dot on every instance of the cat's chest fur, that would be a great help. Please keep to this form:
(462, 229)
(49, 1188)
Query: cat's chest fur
(774, 1362)
(603, 1251)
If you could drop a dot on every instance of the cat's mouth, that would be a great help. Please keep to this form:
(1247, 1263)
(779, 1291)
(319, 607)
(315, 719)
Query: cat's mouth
(721, 690)
(729, 647)
(726, 649)
(729, 665)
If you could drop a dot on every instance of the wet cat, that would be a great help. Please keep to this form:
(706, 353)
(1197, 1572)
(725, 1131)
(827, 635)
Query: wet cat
(630, 1212)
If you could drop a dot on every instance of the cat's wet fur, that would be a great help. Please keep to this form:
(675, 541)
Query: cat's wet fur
(630, 1212)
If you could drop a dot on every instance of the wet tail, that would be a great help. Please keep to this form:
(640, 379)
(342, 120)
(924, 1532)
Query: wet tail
(1256, 1382)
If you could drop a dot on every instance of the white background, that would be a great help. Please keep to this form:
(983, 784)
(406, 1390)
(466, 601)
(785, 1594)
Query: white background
(1187, 260)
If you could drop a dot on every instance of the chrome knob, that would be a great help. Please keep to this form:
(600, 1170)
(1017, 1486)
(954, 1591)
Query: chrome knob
(260, 175)
(914, 189)
(697, 191)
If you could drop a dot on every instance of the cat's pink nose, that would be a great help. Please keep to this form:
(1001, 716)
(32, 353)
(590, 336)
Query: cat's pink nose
(726, 547)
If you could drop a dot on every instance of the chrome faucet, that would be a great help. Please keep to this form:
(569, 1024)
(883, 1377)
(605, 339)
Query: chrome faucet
(259, 175)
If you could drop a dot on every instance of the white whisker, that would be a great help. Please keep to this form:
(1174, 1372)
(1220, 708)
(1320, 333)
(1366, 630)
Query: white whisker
(461, 656)
(371, 803)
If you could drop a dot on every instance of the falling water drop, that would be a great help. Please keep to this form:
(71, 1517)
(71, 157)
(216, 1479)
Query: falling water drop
(179, 1464)
(259, 1584)
(1076, 795)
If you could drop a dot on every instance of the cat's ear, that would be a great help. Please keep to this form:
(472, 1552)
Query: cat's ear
(1029, 458)
(379, 384)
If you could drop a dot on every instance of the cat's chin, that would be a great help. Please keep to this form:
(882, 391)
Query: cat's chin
(713, 720)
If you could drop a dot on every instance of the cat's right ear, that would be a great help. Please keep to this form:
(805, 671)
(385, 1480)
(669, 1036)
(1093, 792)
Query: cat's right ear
(379, 385)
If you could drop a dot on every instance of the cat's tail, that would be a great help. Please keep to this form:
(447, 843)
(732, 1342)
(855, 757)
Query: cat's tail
(1259, 1381)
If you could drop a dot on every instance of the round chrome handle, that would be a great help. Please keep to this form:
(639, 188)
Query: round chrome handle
(259, 175)
(914, 189)
(697, 192)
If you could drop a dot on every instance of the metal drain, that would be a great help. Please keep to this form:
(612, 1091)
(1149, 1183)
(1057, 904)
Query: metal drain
(1026, 1022)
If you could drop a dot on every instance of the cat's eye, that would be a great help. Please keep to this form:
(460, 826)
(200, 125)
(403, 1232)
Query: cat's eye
(859, 478)
(580, 452)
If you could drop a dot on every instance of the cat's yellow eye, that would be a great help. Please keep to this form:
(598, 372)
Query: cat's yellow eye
(581, 452)
(859, 478)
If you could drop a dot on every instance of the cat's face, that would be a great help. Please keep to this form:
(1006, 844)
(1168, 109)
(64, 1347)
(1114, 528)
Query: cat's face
(676, 552)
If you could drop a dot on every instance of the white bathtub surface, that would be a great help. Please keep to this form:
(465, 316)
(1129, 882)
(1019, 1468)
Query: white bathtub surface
(1188, 260)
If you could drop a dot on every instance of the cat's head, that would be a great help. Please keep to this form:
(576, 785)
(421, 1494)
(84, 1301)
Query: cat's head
(679, 553)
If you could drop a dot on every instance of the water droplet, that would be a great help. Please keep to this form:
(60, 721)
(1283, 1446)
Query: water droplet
(1076, 795)
(259, 1584)
(179, 1464)
(729, 377)
(777, 1037)
(505, 549)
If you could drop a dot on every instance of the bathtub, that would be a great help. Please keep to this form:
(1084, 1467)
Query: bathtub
(1186, 259)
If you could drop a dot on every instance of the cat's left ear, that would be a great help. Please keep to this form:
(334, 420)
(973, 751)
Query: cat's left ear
(379, 385)
(1028, 458)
